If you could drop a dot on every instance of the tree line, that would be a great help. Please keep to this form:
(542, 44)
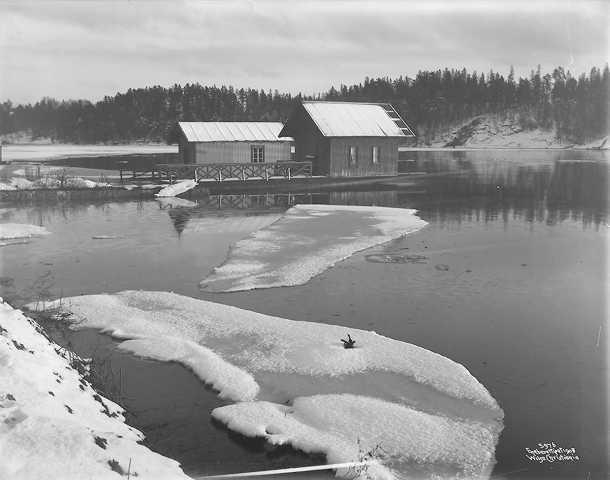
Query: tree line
(575, 108)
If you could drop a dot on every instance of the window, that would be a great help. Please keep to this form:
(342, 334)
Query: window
(352, 155)
(257, 153)
(375, 155)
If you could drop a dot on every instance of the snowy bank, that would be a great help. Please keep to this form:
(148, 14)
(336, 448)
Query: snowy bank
(307, 240)
(429, 413)
(19, 183)
(497, 131)
(20, 230)
(53, 424)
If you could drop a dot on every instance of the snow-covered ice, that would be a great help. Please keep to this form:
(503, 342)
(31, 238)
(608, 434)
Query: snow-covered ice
(307, 240)
(54, 151)
(53, 424)
(18, 183)
(20, 230)
(176, 188)
(234, 223)
(430, 415)
(417, 444)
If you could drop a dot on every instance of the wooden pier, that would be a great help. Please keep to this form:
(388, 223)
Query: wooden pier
(221, 172)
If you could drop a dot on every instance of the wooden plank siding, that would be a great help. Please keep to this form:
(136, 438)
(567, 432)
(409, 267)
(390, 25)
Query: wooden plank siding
(387, 163)
(310, 144)
(239, 152)
(231, 152)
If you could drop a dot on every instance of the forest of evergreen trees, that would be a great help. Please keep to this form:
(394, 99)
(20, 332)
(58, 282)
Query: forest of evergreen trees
(575, 108)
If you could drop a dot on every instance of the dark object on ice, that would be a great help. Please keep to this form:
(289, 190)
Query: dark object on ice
(349, 343)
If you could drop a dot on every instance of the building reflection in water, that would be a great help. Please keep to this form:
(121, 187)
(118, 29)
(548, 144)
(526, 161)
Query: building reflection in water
(533, 187)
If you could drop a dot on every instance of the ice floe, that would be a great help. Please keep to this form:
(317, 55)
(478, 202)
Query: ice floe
(53, 424)
(307, 240)
(20, 230)
(297, 384)
(177, 188)
(345, 427)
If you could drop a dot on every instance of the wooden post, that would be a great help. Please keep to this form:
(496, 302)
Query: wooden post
(288, 173)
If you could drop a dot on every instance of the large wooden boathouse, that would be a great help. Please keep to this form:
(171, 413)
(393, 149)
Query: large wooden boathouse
(347, 139)
(232, 142)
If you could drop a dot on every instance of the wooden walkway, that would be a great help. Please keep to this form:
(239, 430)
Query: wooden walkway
(221, 172)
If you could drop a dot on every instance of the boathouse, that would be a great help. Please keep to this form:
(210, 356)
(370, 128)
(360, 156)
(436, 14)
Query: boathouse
(232, 142)
(347, 139)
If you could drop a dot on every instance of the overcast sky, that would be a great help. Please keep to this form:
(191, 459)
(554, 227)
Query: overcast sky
(88, 49)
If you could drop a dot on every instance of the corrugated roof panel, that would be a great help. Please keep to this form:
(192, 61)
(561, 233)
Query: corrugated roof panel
(233, 131)
(350, 119)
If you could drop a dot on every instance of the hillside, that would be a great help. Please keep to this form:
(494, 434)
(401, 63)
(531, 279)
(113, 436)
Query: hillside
(505, 131)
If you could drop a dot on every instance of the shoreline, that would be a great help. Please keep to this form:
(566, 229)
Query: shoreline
(204, 189)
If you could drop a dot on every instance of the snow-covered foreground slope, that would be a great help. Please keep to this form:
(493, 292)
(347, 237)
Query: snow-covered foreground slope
(307, 240)
(20, 230)
(53, 424)
(296, 384)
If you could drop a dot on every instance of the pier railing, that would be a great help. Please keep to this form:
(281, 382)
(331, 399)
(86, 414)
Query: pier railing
(234, 171)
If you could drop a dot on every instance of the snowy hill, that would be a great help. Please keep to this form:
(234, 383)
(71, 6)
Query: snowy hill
(490, 131)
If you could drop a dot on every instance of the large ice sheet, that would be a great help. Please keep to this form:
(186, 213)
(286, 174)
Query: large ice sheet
(53, 424)
(307, 240)
(429, 400)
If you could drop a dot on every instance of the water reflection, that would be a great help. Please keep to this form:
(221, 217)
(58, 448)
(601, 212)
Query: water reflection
(533, 187)
(179, 217)
(182, 211)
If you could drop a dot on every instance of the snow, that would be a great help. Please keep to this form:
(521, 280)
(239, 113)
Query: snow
(428, 412)
(20, 230)
(600, 144)
(177, 188)
(492, 131)
(51, 426)
(416, 443)
(17, 183)
(47, 152)
(307, 240)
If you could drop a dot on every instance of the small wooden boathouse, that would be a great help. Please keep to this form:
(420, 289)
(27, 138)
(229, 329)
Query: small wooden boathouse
(232, 142)
(348, 139)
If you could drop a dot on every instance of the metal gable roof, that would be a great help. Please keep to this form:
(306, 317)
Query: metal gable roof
(232, 131)
(351, 119)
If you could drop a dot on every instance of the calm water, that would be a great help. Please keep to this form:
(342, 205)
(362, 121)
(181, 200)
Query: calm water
(509, 279)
